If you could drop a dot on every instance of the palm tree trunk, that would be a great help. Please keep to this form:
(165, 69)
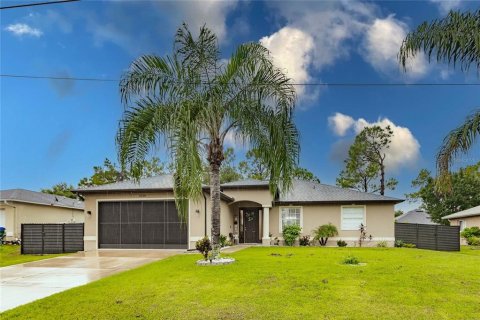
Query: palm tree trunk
(215, 157)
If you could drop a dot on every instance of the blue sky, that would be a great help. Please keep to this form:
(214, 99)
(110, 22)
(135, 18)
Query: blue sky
(53, 131)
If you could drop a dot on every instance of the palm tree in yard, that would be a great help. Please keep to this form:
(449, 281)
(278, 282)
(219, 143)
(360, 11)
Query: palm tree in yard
(456, 41)
(191, 100)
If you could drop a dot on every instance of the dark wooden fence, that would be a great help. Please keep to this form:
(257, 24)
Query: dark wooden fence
(52, 238)
(427, 236)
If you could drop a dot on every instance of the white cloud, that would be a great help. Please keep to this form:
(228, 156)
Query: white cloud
(382, 42)
(291, 50)
(340, 123)
(446, 5)
(22, 29)
(404, 149)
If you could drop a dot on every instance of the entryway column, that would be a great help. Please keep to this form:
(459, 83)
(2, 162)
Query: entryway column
(266, 225)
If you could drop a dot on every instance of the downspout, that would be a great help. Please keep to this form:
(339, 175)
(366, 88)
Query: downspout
(14, 216)
(205, 198)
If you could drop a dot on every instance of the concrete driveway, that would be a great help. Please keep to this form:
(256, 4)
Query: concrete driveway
(24, 283)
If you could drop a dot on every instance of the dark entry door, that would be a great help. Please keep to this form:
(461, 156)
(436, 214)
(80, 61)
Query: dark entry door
(251, 225)
(140, 224)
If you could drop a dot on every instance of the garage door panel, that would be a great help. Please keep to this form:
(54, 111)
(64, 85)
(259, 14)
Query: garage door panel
(152, 211)
(141, 224)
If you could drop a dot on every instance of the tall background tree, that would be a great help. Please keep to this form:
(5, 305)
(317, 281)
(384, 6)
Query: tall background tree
(365, 168)
(464, 192)
(253, 167)
(454, 40)
(61, 189)
(192, 99)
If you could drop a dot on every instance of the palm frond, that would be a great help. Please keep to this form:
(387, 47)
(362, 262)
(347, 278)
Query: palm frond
(454, 40)
(457, 142)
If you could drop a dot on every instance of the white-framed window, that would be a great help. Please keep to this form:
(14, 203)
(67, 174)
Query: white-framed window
(290, 216)
(462, 224)
(353, 217)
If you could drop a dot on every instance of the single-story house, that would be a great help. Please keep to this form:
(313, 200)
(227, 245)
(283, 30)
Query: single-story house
(142, 214)
(415, 216)
(19, 206)
(465, 219)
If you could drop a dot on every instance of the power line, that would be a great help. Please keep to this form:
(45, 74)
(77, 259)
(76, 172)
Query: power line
(36, 4)
(324, 84)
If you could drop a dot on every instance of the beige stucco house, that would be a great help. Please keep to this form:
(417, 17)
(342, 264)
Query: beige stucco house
(465, 219)
(19, 206)
(143, 215)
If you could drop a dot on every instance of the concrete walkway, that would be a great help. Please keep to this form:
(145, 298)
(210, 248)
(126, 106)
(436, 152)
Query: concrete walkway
(24, 283)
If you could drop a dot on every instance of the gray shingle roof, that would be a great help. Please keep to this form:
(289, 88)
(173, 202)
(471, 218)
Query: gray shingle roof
(472, 212)
(161, 182)
(22, 195)
(309, 191)
(245, 183)
(415, 216)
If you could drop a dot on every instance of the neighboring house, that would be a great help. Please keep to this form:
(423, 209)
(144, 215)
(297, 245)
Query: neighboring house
(143, 215)
(415, 216)
(19, 206)
(465, 219)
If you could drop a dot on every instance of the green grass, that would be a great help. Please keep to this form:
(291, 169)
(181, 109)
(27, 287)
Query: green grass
(10, 255)
(280, 283)
(471, 250)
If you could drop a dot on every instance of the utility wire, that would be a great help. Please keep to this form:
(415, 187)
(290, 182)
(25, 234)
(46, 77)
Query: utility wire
(35, 4)
(324, 84)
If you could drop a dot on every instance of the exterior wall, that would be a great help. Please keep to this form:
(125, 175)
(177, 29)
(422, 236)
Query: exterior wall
(17, 213)
(379, 222)
(196, 214)
(261, 196)
(469, 221)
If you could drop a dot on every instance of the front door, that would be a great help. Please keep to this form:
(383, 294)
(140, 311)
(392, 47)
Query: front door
(251, 225)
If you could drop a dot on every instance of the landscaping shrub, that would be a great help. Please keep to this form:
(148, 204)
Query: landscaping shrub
(399, 243)
(473, 241)
(472, 235)
(382, 244)
(341, 243)
(305, 241)
(325, 231)
(351, 260)
(409, 245)
(204, 246)
(222, 239)
(291, 233)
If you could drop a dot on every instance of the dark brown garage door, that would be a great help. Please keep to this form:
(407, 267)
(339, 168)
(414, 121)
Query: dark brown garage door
(140, 225)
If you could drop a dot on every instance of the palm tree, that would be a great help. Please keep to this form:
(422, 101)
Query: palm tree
(454, 40)
(191, 100)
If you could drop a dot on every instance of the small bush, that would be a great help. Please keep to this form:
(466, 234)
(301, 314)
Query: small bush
(325, 231)
(304, 241)
(473, 241)
(222, 239)
(204, 246)
(470, 232)
(351, 260)
(291, 233)
(399, 243)
(409, 245)
(382, 244)
(341, 243)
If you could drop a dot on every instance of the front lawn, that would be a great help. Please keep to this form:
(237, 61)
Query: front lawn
(11, 255)
(280, 283)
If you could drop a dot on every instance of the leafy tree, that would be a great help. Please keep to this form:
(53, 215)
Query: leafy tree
(61, 189)
(110, 173)
(365, 166)
(193, 99)
(323, 232)
(398, 213)
(454, 40)
(464, 192)
(254, 168)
